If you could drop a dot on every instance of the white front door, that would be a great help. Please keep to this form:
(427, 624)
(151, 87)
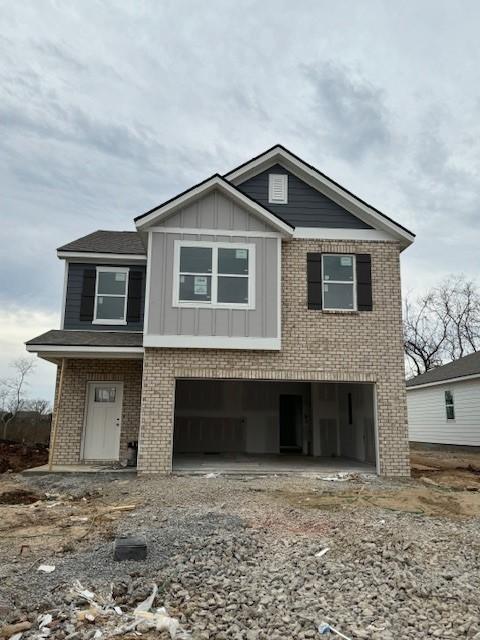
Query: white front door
(103, 423)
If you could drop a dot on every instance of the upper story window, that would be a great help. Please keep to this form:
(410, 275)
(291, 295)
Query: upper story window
(277, 188)
(449, 405)
(111, 289)
(214, 275)
(339, 282)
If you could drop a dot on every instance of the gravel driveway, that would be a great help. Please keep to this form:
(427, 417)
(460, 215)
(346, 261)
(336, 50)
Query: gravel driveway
(236, 558)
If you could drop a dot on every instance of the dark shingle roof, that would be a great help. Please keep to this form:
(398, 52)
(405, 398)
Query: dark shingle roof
(88, 339)
(466, 366)
(108, 242)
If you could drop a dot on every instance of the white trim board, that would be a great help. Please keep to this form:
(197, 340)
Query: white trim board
(323, 184)
(328, 233)
(472, 376)
(80, 256)
(49, 348)
(199, 231)
(64, 295)
(215, 182)
(212, 342)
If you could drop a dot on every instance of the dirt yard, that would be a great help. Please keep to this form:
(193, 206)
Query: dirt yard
(244, 557)
(18, 457)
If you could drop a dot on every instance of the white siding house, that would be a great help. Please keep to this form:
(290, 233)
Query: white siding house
(444, 404)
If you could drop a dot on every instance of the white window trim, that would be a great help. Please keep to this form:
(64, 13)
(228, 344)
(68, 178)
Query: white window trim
(96, 320)
(214, 274)
(271, 199)
(353, 283)
(446, 405)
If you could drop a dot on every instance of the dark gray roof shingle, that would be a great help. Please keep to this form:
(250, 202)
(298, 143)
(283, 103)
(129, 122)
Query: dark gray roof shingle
(107, 242)
(466, 366)
(88, 339)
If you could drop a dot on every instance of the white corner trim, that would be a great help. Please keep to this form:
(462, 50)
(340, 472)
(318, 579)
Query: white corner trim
(473, 376)
(328, 233)
(323, 184)
(199, 231)
(147, 283)
(215, 182)
(64, 296)
(211, 342)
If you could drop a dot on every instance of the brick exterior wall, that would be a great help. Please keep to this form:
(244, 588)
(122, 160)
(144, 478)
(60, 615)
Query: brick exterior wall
(71, 417)
(316, 346)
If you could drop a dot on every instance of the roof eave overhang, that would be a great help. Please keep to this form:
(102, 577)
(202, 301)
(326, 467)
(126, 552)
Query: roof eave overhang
(56, 352)
(164, 211)
(435, 383)
(88, 256)
(325, 185)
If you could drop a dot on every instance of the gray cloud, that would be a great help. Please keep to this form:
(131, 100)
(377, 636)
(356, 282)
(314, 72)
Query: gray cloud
(107, 109)
(348, 112)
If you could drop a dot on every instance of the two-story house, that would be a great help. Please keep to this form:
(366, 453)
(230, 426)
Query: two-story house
(257, 314)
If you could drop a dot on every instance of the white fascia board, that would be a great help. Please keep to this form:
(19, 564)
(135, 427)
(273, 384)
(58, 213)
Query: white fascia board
(89, 256)
(73, 351)
(216, 182)
(327, 233)
(211, 342)
(473, 376)
(322, 184)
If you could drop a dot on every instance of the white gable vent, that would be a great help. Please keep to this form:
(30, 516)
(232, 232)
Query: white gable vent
(277, 188)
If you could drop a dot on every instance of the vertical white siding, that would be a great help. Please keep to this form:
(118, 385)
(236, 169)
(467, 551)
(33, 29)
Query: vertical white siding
(427, 420)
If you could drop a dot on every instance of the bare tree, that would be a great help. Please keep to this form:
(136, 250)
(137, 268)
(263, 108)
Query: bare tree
(12, 391)
(38, 405)
(442, 325)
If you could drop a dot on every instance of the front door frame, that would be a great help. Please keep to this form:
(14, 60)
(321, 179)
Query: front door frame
(119, 384)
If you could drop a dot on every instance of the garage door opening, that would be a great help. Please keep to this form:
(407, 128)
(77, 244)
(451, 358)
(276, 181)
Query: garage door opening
(263, 426)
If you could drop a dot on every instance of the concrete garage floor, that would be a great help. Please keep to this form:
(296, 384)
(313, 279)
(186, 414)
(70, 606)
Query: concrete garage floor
(232, 464)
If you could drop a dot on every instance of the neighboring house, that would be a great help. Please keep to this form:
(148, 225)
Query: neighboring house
(258, 312)
(444, 403)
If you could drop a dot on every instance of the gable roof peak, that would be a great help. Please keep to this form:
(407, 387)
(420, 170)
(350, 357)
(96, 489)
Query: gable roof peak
(326, 185)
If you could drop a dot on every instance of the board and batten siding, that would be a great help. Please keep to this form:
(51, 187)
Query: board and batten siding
(73, 300)
(427, 420)
(213, 212)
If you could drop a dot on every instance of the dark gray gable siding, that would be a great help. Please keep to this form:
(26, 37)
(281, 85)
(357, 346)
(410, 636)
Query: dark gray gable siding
(73, 299)
(306, 206)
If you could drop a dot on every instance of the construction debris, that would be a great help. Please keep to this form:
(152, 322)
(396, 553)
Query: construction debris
(9, 630)
(46, 568)
(325, 627)
(130, 548)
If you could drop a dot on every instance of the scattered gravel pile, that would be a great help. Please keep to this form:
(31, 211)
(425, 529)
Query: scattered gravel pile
(234, 560)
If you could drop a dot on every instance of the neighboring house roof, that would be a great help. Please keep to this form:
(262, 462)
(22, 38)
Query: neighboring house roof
(317, 179)
(63, 338)
(462, 368)
(119, 242)
(166, 209)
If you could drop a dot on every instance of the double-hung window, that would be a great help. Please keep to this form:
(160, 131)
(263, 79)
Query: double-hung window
(339, 282)
(214, 275)
(449, 405)
(111, 290)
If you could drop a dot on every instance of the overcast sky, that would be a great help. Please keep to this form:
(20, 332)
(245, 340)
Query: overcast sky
(109, 108)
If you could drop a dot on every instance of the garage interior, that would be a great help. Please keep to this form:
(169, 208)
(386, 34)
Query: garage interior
(234, 426)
